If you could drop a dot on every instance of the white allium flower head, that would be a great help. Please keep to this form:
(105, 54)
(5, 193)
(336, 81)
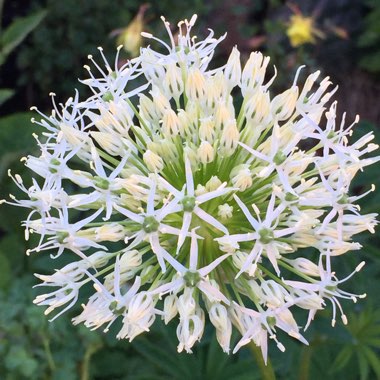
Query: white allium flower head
(187, 206)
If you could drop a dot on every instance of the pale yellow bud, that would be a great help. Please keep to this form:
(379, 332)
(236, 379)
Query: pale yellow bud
(216, 89)
(200, 190)
(207, 130)
(253, 73)
(130, 201)
(229, 139)
(206, 152)
(241, 177)
(164, 148)
(188, 121)
(148, 110)
(239, 258)
(161, 102)
(109, 142)
(173, 83)
(76, 137)
(191, 154)
(225, 211)
(305, 266)
(130, 259)
(257, 108)
(153, 162)
(213, 183)
(170, 307)
(283, 105)
(110, 232)
(151, 69)
(223, 116)
(195, 84)
(232, 71)
(170, 124)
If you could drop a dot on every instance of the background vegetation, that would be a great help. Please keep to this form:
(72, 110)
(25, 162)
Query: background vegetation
(43, 46)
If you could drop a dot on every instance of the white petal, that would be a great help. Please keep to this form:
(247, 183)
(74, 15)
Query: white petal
(210, 219)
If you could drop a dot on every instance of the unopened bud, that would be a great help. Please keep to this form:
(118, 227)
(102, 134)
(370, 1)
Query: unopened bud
(232, 71)
(205, 152)
(195, 84)
(153, 161)
(241, 177)
(283, 105)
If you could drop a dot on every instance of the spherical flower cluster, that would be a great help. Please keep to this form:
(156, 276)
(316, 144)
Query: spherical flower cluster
(185, 192)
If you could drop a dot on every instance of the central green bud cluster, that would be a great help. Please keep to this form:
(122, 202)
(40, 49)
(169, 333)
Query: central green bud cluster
(54, 163)
(101, 183)
(279, 157)
(115, 309)
(191, 278)
(107, 97)
(266, 235)
(61, 236)
(188, 204)
(150, 224)
(343, 200)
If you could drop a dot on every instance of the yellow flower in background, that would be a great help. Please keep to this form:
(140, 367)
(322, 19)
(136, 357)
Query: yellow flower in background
(301, 30)
(130, 36)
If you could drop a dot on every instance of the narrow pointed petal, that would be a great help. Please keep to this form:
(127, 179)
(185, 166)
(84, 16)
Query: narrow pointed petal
(171, 189)
(210, 220)
(255, 253)
(98, 163)
(187, 216)
(220, 191)
(87, 220)
(189, 178)
(211, 292)
(254, 223)
(254, 152)
(171, 208)
(158, 250)
(193, 251)
(208, 268)
(120, 167)
(170, 287)
(129, 214)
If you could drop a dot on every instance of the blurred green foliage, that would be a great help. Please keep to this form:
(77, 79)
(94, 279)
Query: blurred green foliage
(12, 36)
(369, 40)
(33, 348)
(59, 47)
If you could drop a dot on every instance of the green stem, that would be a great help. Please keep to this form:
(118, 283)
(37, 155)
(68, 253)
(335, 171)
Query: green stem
(266, 370)
(304, 367)
(85, 367)
(49, 356)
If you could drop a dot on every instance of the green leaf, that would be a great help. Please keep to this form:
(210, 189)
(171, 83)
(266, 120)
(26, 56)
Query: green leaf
(19, 360)
(363, 365)
(373, 342)
(373, 359)
(15, 135)
(342, 359)
(243, 369)
(158, 356)
(216, 359)
(5, 271)
(18, 31)
(5, 94)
